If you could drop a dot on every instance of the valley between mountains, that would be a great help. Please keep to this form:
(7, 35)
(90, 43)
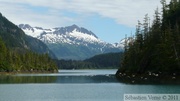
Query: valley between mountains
(71, 42)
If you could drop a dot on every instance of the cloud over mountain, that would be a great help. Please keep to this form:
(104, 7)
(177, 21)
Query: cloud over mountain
(125, 12)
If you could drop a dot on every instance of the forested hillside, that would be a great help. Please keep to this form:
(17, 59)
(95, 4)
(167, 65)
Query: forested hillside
(156, 47)
(17, 51)
(15, 38)
(71, 42)
(102, 61)
(14, 61)
(111, 60)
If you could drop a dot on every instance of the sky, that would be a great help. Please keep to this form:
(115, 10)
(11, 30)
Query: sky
(110, 20)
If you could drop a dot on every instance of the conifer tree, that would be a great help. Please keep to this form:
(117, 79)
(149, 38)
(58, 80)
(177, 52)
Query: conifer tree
(146, 27)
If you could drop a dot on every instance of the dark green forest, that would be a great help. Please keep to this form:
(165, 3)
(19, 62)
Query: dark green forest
(22, 53)
(102, 61)
(16, 61)
(17, 53)
(155, 47)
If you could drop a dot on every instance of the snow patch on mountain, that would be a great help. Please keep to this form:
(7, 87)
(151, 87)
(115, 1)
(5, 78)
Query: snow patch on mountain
(71, 34)
(83, 36)
(63, 40)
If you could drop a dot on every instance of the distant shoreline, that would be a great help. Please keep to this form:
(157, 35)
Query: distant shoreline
(27, 72)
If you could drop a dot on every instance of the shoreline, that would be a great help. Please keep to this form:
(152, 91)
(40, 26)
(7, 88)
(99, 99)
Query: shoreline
(27, 72)
(148, 78)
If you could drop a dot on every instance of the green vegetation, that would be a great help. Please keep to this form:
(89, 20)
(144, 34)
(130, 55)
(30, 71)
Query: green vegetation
(22, 53)
(108, 60)
(102, 61)
(156, 48)
(9, 79)
(15, 39)
(19, 53)
(14, 61)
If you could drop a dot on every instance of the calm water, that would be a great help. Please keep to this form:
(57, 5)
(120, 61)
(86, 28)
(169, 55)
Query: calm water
(73, 85)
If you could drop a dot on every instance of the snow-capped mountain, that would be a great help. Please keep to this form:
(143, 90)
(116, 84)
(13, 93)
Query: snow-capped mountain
(71, 34)
(71, 42)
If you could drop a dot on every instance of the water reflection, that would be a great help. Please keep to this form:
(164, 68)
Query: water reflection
(27, 79)
(87, 79)
(65, 76)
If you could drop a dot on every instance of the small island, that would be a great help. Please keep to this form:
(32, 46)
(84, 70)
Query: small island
(153, 55)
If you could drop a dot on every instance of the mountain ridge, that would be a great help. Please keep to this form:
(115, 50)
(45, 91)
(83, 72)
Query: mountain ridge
(15, 38)
(71, 42)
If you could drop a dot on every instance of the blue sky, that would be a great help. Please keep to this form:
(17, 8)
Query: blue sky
(110, 20)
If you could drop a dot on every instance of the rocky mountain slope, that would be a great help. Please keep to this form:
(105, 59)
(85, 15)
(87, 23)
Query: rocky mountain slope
(16, 39)
(71, 42)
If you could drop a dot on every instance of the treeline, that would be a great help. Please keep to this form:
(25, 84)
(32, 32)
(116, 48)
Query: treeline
(18, 60)
(111, 60)
(102, 61)
(155, 47)
(21, 53)
(74, 64)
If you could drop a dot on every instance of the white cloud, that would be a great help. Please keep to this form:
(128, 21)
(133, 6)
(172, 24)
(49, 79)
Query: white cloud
(125, 12)
(19, 13)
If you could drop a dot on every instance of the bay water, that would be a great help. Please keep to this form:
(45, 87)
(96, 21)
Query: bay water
(74, 85)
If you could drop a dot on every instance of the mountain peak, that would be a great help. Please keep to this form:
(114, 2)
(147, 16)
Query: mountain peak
(74, 26)
(25, 26)
(72, 42)
(80, 29)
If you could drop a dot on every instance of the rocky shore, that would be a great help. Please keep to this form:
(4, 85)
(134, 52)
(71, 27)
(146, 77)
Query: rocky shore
(148, 78)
